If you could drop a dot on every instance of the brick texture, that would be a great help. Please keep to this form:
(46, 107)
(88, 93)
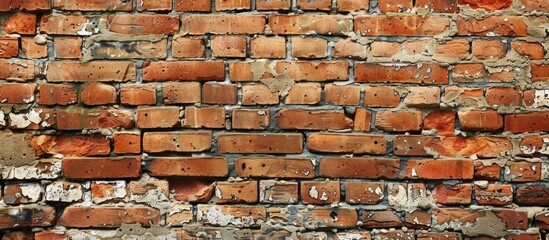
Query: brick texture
(274, 119)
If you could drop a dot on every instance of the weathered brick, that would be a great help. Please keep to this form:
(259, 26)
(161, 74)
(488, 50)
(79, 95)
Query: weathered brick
(369, 168)
(254, 215)
(22, 193)
(219, 93)
(310, 24)
(144, 23)
(101, 168)
(402, 25)
(125, 142)
(108, 191)
(97, 5)
(363, 120)
(51, 235)
(228, 46)
(384, 49)
(259, 94)
(533, 51)
(381, 96)
(98, 94)
(267, 47)
(69, 24)
(9, 47)
(184, 71)
(342, 94)
(482, 121)
(424, 73)
(489, 49)
(180, 214)
(107, 216)
(188, 47)
(439, 169)
(224, 5)
(320, 5)
(66, 192)
(158, 117)
(476, 72)
(71, 145)
(260, 143)
(138, 94)
(82, 118)
(320, 192)
(181, 92)
(488, 5)
(312, 119)
(273, 4)
(57, 94)
(314, 71)
(398, 121)
(422, 97)
(453, 49)
(494, 194)
(364, 192)
(124, 50)
(154, 5)
(274, 167)
(17, 93)
(481, 146)
(189, 167)
(186, 141)
(96, 71)
(345, 48)
(347, 143)
(309, 47)
(498, 25)
(193, 5)
(20, 23)
(31, 49)
(381, 219)
(237, 192)
(459, 194)
(255, 119)
(522, 171)
(441, 121)
(532, 195)
(304, 93)
(27, 216)
(487, 170)
(67, 47)
(395, 5)
(527, 122)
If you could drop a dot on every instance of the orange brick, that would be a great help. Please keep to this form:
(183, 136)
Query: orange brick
(188, 47)
(17, 93)
(158, 117)
(255, 119)
(314, 71)
(125, 143)
(342, 94)
(98, 5)
(57, 94)
(267, 47)
(258, 94)
(454, 49)
(503, 96)
(399, 121)
(107, 216)
(352, 6)
(237, 192)
(304, 93)
(204, 117)
(224, 5)
(384, 49)
(216, 93)
(273, 5)
(364, 192)
(186, 141)
(98, 94)
(260, 143)
(200, 24)
(459, 194)
(154, 5)
(371, 25)
(95, 71)
(439, 6)
(189, 167)
(498, 25)
(494, 194)
(489, 5)
(68, 47)
(138, 94)
(424, 73)
(193, 5)
(370, 168)
(320, 24)
(144, 23)
(346, 48)
(20, 23)
(312, 119)
(309, 47)
(31, 49)
(439, 169)
(181, 92)
(101, 168)
(228, 46)
(278, 192)
(482, 121)
(489, 49)
(321, 5)
(363, 120)
(441, 121)
(422, 97)
(184, 71)
(9, 47)
(381, 96)
(522, 171)
(270, 167)
(395, 5)
(320, 192)
(347, 143)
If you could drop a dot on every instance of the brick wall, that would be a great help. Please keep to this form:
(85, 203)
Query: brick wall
(274, 119)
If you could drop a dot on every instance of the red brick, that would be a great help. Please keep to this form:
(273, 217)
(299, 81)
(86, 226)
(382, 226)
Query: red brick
(527, 122)
(259, 94)
(499, 25)
(72, 145)
(487, 170)
(398, 121)
(488, 5)
(314, 71)
(310, 23)
(9, 47)
(268, 167)
(532, 195)
(534, 145)
(158, 117)
(381, 219)
(459, 194)
(228, 46)
(482, 121)
(309, 47)
(57, 94)
(410, 145)
(224, 5)
(101, 168)
(453, 49)
(325, 217)
(395, 5)
(187, 141)
(125, 143)
(405, 25)
(204, 117)
(108, 216)
(533, 51)
(67, 47)
(20, 23)
(17, 93)
(27, 216)
(513, 219)
(236, 192)
(267, 47)
(364, 192)
(51, 235)
(438, 235)
(416, 47)
(482, 146)
(346, 48)
(312, 119)
(352, 6)
(424, 73)
(342, 94)
(138, 94)
(438, 6)
(369, 168)
(191, 190)
(17, 69)
(189, 167)
(494, 194)
(273, 5)
(542, 220)
(25, 5)
(535, 5)
(381, 96)
(473, 72)
(181, 92)
(96, 71)
(31, 49)
(200, 24)
(64, 24)
(522, 171)
(418, 219)
(540, 73)
(363, 120)
(441, 121)
(489, 49)
(97, 5)
(304, 93)
(184, 71)
(384, 49)
(219, 93)
(320, 5)
(260, 143)
(347, 143)
(192, 5)
(154, 5)
(253, 119)
(439, 169)
(98, 94)
(188, 47)
(144, 23)
(422, 97)
(320, 192)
